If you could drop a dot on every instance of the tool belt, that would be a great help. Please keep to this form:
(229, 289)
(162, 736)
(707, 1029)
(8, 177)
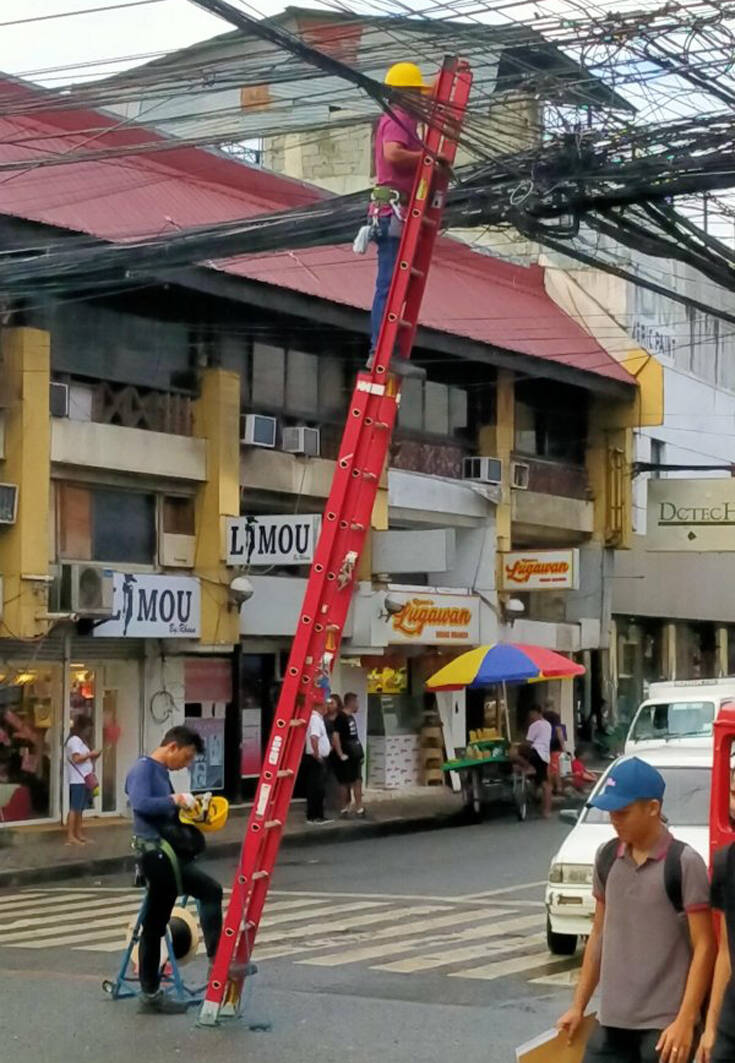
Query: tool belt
(152, 845)
(386, 196)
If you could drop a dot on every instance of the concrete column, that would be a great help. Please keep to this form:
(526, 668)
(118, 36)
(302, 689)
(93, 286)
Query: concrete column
(24, 546)
(566, 710)
(217, 419)
(721, 662)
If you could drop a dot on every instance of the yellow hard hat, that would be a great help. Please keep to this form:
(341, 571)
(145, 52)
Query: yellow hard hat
(213, 819)
(405, 76)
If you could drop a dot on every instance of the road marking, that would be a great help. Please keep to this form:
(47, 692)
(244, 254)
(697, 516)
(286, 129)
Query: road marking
(489, 972)
(453, 919)
(563, 978)
(368, 896)
(427, 961)
(518, 888)
(374, 952)
(72, 917)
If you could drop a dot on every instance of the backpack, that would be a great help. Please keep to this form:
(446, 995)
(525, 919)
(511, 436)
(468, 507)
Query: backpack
(672, 869)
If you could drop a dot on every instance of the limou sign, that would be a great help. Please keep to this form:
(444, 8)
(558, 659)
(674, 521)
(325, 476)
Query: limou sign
(287, 540)
(151, 606)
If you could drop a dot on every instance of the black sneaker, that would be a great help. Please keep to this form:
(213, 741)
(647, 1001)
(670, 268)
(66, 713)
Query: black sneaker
(159, 1003)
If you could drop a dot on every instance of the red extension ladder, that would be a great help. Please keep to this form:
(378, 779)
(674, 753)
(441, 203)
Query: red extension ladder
(362, 456)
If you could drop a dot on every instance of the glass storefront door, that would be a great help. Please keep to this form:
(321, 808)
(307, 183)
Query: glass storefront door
(30, 740)
(87, 698)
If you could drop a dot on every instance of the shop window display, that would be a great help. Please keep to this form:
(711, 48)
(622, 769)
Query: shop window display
(29, 703)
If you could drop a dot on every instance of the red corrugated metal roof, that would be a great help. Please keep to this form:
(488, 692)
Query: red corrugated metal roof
(468, 294)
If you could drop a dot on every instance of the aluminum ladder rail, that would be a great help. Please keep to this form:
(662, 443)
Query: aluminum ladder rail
(360, 464)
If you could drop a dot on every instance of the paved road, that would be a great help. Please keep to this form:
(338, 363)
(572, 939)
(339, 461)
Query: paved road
(399, 948)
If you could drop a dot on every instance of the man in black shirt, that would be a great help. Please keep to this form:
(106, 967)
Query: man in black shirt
(718, 1040)
(349, 756)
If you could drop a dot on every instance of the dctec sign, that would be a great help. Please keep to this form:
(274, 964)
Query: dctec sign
(691, 515)
(289, 540)
(433, 620)
(150, 606)
(540, 570)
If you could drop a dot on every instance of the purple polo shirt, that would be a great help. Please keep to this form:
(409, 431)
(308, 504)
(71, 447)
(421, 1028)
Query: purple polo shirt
(646, 949)
(405, 133)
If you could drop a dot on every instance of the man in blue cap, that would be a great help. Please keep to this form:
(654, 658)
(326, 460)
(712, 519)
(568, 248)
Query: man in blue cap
(651, 949)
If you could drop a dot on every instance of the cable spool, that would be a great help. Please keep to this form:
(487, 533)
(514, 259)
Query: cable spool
(184, 933)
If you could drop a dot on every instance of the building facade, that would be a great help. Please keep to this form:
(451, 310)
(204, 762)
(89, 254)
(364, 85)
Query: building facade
(140, 427)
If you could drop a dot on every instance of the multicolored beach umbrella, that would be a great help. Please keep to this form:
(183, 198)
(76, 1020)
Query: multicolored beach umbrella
(504, 662)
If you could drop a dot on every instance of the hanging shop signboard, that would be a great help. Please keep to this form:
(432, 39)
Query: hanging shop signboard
(691, 514)
(431, 619)
(540, 570)
(282, 540)
(153, 607)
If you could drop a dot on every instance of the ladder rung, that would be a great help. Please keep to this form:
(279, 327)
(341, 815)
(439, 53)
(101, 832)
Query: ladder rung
(297, 723)
(260, 874)
(426, 220)
(271, 823)
(356, 526)
(380, 424)
(367, 475)
(404, 323)
(416, 272)
(284, 773)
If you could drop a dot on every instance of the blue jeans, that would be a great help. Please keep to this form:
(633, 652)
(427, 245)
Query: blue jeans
(387, 255)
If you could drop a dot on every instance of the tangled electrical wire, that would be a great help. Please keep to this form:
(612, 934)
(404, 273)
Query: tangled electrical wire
(637, 120)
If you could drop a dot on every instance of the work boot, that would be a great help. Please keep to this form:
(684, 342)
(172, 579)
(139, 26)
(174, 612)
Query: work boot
(159, 1003)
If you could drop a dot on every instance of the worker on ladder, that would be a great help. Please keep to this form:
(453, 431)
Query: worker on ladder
(398, 150)
(167, 848)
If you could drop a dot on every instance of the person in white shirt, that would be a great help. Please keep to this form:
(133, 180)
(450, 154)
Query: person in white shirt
(315, 765)
(538, 754)
(79, 764)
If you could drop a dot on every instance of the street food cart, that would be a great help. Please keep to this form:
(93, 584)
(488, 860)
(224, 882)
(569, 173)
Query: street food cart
(488, 773)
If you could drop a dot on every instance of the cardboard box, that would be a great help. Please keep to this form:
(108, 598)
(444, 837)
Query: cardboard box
(553, 1047)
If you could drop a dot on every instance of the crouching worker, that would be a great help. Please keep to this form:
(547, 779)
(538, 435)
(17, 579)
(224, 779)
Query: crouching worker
(167, 850)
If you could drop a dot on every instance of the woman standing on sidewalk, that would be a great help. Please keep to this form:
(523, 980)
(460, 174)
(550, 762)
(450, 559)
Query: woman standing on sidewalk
(79, 764)
(349, 757)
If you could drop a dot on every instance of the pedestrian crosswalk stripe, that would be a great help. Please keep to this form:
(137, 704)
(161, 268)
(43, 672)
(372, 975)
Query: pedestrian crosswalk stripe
(489, 972)
(66, 915)
(394, 934)
(8, 909)
(375, 952)
(451, 955)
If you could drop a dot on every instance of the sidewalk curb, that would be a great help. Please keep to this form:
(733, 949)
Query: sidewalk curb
(347, 833)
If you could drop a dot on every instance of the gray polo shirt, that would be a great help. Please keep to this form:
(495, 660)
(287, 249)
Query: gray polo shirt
(646, 949)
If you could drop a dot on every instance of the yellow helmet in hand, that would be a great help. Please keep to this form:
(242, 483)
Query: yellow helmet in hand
(209, 814)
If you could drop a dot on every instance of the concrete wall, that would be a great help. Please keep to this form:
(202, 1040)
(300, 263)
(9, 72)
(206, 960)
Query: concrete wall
(686, 586)
(129, 450)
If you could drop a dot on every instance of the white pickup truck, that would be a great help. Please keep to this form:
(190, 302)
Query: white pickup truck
(680, 712)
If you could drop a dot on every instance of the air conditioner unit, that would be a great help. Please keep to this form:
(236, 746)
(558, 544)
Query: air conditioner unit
(258, 431)
(59, 399)
(8, 503)
(177, 551)
(483, 470)
(520, 472)
(301, 441)
(86, 590)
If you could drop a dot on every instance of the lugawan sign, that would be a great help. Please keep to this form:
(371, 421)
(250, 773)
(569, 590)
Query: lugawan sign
(691, 514)
(540, 570)
(277, 540)
(433, 620)
(150, 606)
